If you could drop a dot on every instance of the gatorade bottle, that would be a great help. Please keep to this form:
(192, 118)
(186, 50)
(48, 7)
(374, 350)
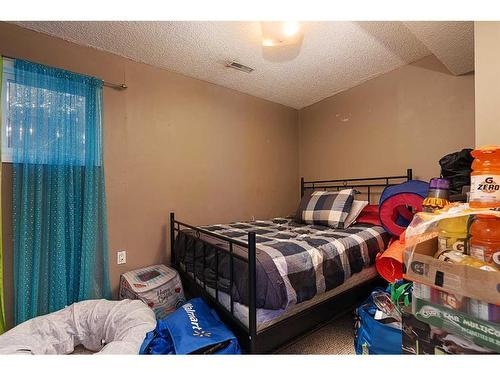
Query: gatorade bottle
(485, 178)
(452, 234)
(485, 239)
(457, 257)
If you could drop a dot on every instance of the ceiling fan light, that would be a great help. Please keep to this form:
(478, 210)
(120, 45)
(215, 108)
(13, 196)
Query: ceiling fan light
(290, 28)
(280, 33)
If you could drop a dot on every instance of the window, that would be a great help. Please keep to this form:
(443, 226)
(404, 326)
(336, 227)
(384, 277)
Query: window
(64, 114)
(7, 80)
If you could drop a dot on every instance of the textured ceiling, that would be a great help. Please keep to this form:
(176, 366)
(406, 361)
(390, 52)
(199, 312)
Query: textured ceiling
(450, 42)
(333, 56)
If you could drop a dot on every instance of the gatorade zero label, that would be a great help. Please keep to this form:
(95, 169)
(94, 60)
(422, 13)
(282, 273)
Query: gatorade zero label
(485, 188)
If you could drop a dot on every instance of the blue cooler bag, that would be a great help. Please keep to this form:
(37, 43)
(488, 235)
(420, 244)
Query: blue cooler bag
(373, 337)
(194, 328)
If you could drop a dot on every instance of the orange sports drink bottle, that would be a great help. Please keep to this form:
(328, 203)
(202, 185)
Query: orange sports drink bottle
(485, 239)
(485, 178)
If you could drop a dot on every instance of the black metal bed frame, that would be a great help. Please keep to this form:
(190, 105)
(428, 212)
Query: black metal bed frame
(286, 330)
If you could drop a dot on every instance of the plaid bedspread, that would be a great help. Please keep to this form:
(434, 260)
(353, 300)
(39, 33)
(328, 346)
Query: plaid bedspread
(295, 261)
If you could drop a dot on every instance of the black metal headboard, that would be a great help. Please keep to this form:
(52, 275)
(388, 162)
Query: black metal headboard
(366, 186)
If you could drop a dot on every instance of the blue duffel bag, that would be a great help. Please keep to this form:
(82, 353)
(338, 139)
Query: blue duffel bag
(194, 328)
(373, 337)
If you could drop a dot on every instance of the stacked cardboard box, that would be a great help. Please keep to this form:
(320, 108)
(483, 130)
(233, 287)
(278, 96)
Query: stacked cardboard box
(420, 337)
(455, 308)
(440, 322)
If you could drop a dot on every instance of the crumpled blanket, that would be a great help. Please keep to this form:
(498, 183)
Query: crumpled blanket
(106, 327)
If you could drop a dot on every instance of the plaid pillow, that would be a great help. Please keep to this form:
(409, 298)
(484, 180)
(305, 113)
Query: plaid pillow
(326, 208)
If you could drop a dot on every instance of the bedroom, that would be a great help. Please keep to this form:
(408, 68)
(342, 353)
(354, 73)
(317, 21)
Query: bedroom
(215, 145)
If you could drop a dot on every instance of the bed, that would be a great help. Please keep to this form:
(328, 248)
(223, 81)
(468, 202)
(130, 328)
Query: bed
(273, 280)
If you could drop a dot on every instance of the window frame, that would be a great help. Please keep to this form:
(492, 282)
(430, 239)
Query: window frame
(7, 75)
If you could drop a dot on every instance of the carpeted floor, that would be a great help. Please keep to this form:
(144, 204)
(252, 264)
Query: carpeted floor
(334, 338)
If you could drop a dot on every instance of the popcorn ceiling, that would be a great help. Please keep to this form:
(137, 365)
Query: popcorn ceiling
(333, 57)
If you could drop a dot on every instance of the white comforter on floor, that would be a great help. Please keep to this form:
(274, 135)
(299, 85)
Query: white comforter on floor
(107, 327)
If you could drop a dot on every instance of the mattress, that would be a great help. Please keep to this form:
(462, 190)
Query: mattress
(294, 262)
(267, 317)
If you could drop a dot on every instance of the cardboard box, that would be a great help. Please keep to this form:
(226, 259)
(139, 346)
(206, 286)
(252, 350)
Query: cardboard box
(422, 338)
(416, 335)
(421, 266)
(157, 286)
(473, 307)
(482, 333)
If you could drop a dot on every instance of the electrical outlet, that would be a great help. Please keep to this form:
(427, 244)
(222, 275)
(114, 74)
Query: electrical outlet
(121, 257)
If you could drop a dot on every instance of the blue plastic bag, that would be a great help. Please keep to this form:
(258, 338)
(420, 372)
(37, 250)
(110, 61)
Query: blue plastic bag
(373, 337)
(194, 328)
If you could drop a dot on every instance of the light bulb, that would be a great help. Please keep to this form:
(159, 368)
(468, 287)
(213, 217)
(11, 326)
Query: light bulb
(276, 33)
(290, 28)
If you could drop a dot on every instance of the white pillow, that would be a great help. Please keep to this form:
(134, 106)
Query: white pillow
(356, 208)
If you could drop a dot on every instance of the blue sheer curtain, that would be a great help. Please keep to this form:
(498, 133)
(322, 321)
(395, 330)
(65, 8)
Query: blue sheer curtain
(59, 207)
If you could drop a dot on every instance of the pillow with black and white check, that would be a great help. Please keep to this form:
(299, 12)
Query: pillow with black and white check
(328, 208)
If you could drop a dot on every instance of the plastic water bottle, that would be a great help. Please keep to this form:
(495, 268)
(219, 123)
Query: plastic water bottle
(438, 195)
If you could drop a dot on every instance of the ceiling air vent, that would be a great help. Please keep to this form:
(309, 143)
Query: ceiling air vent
(238, 66)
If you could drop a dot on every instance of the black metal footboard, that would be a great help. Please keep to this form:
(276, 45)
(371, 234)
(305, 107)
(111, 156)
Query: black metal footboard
(247, 336)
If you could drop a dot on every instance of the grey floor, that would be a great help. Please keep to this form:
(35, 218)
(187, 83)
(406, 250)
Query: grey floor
(336, 337)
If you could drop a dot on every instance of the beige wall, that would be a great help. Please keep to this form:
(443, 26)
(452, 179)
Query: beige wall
(487, 63)
(407, 118)
(214, 155)
(172, 143)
